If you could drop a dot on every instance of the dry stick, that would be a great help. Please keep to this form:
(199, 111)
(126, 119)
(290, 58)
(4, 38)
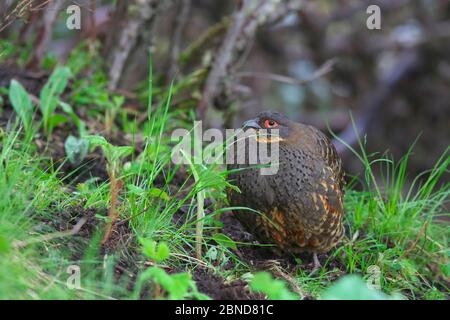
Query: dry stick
(41, 5)
(191, 259)
(18, 11)
(44, 33)
(140, 12)
(421, 232)
(195, 48)
(51, 236)
(135, 215)
(321, 71)
(280, 272)
(200, 222)
(93, 25)
(245, 22)
(181, 19)
(224, 58)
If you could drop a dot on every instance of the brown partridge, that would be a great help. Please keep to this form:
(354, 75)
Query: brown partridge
(301, 206)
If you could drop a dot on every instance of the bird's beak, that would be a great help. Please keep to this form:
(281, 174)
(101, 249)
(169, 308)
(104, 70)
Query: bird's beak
(251, 124)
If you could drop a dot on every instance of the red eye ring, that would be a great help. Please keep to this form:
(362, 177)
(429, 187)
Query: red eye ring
(270, 124)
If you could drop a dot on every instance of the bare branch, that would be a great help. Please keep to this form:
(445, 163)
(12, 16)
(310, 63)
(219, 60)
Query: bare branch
(324, 69)
(139, 13)
(180, 23)
(51, 236)
(45, 31)
(245, 22)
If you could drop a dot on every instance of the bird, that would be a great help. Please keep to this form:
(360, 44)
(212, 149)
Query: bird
(300, 207)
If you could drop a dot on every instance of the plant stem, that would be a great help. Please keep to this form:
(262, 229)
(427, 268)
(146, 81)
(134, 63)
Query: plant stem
(199, 225)
(114, 189)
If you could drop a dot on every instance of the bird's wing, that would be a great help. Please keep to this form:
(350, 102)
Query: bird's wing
(328, 152)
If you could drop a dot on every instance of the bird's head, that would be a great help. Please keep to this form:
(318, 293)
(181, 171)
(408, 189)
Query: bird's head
(277, 126)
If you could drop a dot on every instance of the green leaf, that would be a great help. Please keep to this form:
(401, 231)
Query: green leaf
(57, 119)
(273, 288)
(76, 149)
(21, 102)
(177, 285)
(78, 122)
(51, 92)
(158, 193)
(119, 152)
(135, 189)
(157, 252)
(224, 240)
(97, 141)
(163, 252)
(5, 245)
(112, 153)
(446, 269)
(148, 247)
(353, 287)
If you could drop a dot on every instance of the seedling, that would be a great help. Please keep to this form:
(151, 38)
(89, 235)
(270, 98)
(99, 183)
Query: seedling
(114, 156)
(178, 286)
(274, 289)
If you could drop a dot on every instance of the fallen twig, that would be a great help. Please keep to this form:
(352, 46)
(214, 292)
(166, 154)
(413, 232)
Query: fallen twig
(421, 232)
(51, 236)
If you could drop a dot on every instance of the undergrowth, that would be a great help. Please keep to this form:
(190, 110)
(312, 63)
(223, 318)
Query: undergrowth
(163, 219)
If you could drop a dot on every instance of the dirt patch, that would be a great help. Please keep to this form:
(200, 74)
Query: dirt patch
(218, 289)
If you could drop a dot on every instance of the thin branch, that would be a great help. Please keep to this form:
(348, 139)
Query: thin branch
(181, 19)
(224, 58)
(51, 236)
(45, 31)
(17, 12)
(246, 20)
(128, 36)
(324, 69)
(420, 234)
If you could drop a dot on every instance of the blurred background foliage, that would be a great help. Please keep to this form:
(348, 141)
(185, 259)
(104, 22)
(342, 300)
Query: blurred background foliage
(316, 61)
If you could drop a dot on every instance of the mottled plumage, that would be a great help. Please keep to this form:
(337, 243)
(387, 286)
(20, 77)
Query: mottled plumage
(302, 204)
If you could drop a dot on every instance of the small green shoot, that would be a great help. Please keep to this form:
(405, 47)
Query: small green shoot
(274, 289)
(113, 155)
(353, 287)
(155, 251)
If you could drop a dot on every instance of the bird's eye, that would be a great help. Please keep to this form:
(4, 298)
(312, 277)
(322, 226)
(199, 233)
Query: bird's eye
(270, 124)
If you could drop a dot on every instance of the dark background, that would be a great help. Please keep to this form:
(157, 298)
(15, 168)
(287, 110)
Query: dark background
(395, 82)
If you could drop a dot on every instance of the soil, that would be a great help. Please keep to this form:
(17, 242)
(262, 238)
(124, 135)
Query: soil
(218, 289)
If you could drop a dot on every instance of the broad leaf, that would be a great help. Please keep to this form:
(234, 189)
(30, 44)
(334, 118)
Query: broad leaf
(76, 149)
(21, 102)
(224, 240)
(51, 92)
